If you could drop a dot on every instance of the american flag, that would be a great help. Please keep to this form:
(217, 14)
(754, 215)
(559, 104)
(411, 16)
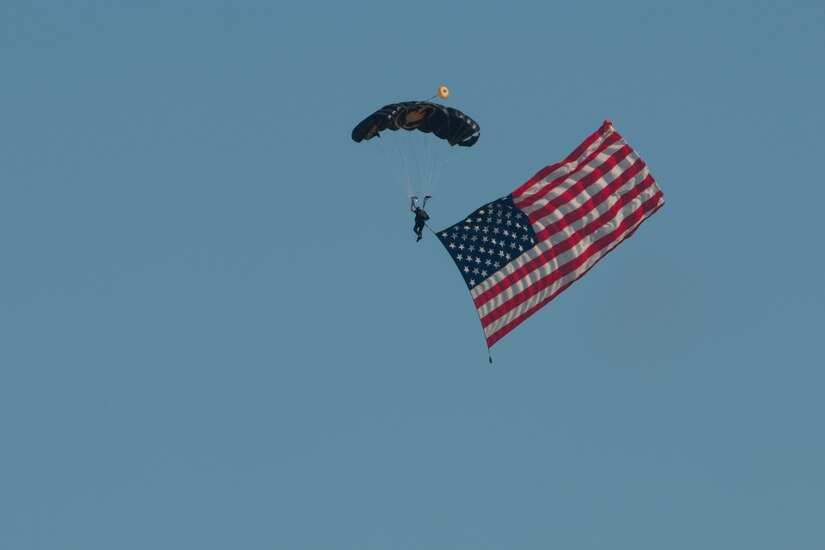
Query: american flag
(519, 252)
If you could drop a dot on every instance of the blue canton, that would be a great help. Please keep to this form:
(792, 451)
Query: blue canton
(490, 238)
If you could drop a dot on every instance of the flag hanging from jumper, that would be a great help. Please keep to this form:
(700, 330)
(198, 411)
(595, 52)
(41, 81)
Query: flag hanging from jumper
(519, 252)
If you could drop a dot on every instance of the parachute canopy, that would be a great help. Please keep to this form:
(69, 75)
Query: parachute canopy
(444, 122)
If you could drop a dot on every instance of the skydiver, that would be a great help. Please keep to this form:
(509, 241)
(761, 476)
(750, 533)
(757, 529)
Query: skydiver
(421, 216)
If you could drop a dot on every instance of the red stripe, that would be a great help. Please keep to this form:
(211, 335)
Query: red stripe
(598, 173)
(499, 334)
(585, 165)
(575, 238)
(541, 174)
(591, 203)
(527, 200)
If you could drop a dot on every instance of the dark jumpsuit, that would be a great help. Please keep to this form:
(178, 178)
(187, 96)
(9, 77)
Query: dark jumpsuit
(420, 217)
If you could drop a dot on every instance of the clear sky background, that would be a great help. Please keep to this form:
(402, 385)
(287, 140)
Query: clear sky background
(217, 331)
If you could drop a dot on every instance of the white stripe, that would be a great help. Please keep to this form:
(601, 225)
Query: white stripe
(546, 269)
(567, 167)
(592, 190)
(562, 236)
(526, 307)
(570, 180)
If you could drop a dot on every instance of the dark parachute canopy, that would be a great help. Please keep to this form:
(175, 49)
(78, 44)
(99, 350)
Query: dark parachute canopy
(445, 122)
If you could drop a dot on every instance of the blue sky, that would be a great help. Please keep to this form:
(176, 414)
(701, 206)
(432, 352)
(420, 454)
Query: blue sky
(217, 330)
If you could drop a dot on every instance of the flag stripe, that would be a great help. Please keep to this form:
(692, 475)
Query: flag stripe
(569, 173)
(613, 176)
(579, 153)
